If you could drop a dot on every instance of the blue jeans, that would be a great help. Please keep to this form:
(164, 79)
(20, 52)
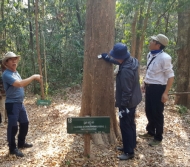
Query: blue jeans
(16, 112)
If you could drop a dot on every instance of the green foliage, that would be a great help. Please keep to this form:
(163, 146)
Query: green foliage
(63, 24)
(63, 27)
(181, 109)
(64, 46)
(162, 19)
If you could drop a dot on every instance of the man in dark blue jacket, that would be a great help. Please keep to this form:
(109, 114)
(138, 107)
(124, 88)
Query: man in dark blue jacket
(128, 95)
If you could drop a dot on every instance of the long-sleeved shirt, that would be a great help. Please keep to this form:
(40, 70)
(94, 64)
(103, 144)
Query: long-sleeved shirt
(160, 69)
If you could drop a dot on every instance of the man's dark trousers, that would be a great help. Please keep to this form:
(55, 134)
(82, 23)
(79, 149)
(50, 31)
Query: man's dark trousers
(128, 130)
(154, 110)
(16, 113)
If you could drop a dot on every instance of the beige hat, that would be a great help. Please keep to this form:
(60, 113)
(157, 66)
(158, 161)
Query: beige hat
(7, 56)
(161, 38)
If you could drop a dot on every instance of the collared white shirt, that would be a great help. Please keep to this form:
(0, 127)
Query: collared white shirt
(160, 69)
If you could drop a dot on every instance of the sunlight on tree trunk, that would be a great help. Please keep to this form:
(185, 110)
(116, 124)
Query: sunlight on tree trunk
(98, 79)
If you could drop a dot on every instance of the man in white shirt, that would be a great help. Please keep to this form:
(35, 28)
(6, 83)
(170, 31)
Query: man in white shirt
(157, 83)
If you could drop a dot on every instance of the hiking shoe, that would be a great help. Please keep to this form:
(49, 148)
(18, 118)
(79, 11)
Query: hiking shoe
(154, 143)
(146, 136)
(17, 152)
(126, 156)
(26, 145)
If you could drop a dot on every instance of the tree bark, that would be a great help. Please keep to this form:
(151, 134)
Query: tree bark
(3, 32)
(141, 28)
(183, 69)
(145, 22)
(98, 79)
(78, 16)
(31, 45)
(133, 33)
(38, 49)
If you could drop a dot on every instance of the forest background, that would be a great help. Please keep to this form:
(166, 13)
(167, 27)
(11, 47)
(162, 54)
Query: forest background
(61, 39)
(61, 30)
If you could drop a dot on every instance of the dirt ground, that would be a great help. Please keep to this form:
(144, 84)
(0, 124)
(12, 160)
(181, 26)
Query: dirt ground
(53, 147)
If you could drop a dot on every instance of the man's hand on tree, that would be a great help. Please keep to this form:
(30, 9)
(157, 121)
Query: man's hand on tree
(104, 56)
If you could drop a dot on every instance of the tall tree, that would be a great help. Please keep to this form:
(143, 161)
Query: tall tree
(31, 43)
(98, 81)
(38, 49)
(141, 27)
(2, 27)
(183, 43)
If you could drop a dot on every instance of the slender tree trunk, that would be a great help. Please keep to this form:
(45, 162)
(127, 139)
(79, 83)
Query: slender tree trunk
(2, 9)
(145, 22)
(133, 32)
(44, 49)
(45, 70)
(98, 80)
(3, 33)
(183, 68)
(139, 29)
(38, 49)
(78, 15)
(31, 45)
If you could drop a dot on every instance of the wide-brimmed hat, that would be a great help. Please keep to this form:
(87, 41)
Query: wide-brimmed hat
(7, 56)
(120, 51)
(161, 38)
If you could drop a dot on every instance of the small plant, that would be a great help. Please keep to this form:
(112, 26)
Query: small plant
(181, 109)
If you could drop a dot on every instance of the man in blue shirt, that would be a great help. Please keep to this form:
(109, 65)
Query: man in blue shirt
(16, 112)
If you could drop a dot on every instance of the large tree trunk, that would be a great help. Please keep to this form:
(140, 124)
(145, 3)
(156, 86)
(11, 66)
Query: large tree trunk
(183, 69)
(98, 80)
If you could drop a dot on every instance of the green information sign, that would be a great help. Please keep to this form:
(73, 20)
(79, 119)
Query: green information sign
(82, 125)
(43, 102)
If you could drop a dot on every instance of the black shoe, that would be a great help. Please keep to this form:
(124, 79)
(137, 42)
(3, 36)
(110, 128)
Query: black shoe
(126, 156)
(120, 148)
(26, 145)
(17, 152)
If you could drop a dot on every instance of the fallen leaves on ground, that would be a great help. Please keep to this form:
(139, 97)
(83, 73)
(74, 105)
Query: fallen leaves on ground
(53, 147)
